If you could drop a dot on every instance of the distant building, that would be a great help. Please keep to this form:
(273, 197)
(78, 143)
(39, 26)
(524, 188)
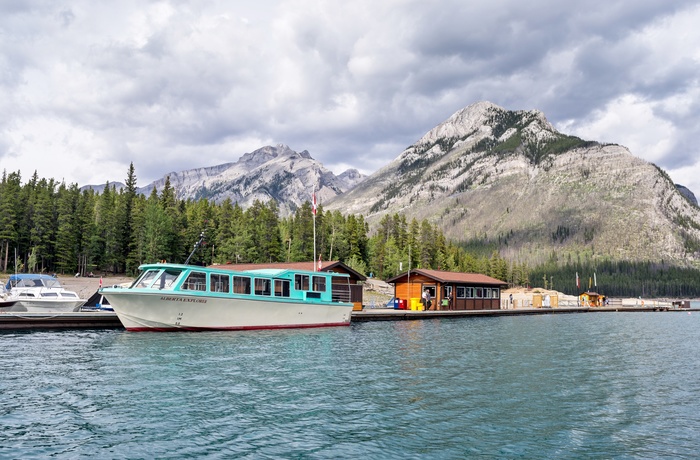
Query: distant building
(449, 290)
(340, 285)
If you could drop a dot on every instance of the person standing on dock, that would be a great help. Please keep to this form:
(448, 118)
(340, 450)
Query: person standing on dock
(426, 299)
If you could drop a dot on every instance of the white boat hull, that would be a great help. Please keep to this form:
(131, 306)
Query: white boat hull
(47, 306)
(173, 311)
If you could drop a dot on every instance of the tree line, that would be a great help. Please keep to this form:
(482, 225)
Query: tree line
(52, 227)
(620, 278)
(46, 226)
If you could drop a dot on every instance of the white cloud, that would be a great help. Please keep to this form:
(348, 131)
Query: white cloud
(628, 120)
(198, 83)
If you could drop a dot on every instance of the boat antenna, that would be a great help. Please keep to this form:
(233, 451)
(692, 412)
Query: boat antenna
(196, 246)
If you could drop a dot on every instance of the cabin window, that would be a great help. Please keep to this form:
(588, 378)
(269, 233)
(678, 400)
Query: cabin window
(487, 293)
(448, 291)
(241, 285)
(166, 279)
(219, 283)
(495, 293)
(301, 282)
(319, 283)
(461, 292)
(196, 281)
(146, 279)
(281, 288)
(479, 293)
(263, 286)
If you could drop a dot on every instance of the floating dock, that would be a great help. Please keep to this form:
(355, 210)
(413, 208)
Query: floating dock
(109, 320)
(388, 314)
(62, 320)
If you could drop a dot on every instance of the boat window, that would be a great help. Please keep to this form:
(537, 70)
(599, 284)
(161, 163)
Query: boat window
(281, 288)
(479, 294)
(145, 279)
(219, 283)
(52, 283)
(470, 293)
(49, 294)
(301, 282)
(496, 293)
(167, 279)
(319, 283)
(196, 281)
(461, 292)
(241, 285)
(487, 293)
(262, 286)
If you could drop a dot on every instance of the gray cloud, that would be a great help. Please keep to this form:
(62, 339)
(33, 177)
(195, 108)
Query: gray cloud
(86, 88)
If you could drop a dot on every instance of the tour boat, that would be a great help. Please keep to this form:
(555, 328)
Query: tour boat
(172, 297)
(41, 293)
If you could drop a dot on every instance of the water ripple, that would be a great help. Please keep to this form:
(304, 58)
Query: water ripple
(615, 385)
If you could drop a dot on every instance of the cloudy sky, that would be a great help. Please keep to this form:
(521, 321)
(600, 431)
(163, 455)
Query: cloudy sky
(87, 87)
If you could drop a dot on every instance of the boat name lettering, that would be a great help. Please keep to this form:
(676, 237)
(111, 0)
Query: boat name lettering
(182, 299)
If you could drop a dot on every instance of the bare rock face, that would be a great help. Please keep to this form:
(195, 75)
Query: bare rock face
(489, 173)
(272, 172)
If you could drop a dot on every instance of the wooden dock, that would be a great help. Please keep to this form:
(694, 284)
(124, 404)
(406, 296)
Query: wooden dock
(59, 320)
(388, 314)
(109, 320)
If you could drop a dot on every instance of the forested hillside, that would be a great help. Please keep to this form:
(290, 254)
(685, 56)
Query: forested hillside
(54, 227)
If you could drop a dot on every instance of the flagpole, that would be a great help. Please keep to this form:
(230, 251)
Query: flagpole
(313, 206)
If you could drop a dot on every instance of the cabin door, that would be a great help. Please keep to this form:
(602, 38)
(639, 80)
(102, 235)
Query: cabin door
(432, 289)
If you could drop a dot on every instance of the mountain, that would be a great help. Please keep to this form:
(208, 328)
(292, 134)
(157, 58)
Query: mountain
(690, 196)
(272, 172)
(510, 177)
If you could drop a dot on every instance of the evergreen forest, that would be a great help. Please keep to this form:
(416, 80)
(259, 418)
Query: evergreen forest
(51, 227)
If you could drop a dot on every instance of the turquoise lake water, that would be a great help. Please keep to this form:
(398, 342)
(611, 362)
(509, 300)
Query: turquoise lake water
(593, 386)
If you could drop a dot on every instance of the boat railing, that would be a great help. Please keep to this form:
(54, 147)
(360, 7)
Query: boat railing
(346, 292)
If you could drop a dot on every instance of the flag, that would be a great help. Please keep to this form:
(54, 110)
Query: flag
(100, 281)
(578, 282)
(313, 202)
(319, 262)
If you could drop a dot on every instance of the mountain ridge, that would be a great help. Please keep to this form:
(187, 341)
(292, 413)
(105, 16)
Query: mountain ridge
(508, 176)
(486, 174)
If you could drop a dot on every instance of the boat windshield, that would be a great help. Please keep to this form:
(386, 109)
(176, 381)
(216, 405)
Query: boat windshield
(167, 279)
(145, 279)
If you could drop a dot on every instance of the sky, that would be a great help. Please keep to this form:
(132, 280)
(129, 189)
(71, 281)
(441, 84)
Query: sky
(87, 87)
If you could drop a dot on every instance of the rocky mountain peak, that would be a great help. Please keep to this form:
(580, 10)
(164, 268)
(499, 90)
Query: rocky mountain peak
(271, 172)
(492, 174)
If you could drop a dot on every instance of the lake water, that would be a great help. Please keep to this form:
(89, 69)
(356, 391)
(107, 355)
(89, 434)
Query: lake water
(599, 385)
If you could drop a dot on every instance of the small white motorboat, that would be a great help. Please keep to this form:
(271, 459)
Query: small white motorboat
(40, 293)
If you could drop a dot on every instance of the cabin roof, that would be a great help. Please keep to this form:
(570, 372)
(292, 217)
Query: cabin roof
(451, 277)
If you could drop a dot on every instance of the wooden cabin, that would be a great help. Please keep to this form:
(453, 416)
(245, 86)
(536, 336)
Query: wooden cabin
(591, 299)
(448, 290)
(341, 288)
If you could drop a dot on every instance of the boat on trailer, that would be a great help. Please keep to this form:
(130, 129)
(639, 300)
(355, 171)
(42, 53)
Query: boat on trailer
(181, 297)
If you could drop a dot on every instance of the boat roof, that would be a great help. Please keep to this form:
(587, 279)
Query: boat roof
(256, 271)
(32, 276)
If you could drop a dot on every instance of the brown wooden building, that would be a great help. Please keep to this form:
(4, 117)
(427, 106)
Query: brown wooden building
(449, 290)
(340, 287)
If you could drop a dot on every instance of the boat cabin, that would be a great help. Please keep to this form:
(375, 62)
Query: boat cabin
(448, 290)
(349, 286)
(273, 283)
